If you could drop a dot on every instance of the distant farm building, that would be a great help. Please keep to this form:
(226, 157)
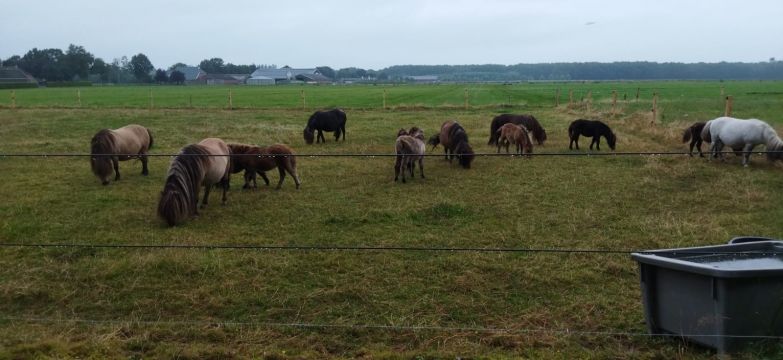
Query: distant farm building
(424, 79)
(285, 75)
(224, 79)
(12, 75)
(193, 74)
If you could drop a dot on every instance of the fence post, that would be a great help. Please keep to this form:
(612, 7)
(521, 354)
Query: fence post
(191, 101)
(721, 91)
(79, 96)
(614, 101)
(729, 104)
(304, 99)
(230, 100)
(637, 94)
(466, 98)
(13, 99)
(654, 108)
(152, 102)
(557, 98)
(589, 99)
(384, 99)
(570, 98)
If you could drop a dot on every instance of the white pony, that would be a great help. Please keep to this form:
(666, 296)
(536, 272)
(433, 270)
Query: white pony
(741, 136)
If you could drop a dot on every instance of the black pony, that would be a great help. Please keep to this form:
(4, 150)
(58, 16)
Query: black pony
(455, 141)
(330, 120)
(590, 128)
(528, 121)
(693, 134)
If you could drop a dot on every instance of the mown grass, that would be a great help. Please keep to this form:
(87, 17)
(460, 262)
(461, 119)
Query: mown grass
(177, 303)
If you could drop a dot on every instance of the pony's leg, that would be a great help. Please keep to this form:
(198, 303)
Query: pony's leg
(421, 167)
(698, 146)
(207, 189)
(116, 163)
(281, 171)
(144, 170)
(411, 166)
(746, 154)
(248, 176)
(263, 176)
(397, 165)
(224, 182)
(292, 170)
(403, 165)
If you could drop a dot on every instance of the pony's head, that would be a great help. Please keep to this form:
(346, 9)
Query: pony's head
(101, 145)
(434, 140)
(611, 138)
(179, 197)
(417, 133)
(309, 135)
(776, 152)
(465, 154)
(402, 132)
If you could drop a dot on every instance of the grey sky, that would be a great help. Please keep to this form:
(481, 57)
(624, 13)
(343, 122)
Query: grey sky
(375, 34)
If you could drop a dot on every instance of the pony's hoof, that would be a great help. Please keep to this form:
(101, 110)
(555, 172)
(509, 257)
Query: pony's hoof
(105, 183)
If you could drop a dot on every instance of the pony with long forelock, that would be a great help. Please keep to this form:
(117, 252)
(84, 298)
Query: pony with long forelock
(455, 141)
(693, 134)
(409, 148)
(320, 121)
(742, 135)
(517, 135)
(590, 128)
(108, 147)
(205, 164)
(259, 159)
(528, 121)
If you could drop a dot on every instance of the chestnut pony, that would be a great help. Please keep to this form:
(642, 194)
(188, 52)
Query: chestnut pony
(258, 159)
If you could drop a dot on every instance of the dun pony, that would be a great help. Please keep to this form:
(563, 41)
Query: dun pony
(331, 120)
(409, 148)
(455, 141)
(693, 134)
(742, 136)
(258, 159)
(590, 128)
(528, 121)
(517, 135)
(109, 147)
(204, 164)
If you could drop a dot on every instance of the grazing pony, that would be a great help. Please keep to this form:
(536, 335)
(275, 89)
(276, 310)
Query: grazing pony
(258, 159)
(742, 136)
(528, 121)
(693, 134)
(455, 141)
(514, 134)
(331, 120)
(590, 128)
(206, 163)
(109, 147)
(409, 148)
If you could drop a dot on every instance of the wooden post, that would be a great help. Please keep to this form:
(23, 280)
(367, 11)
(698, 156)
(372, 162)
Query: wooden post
(152, 103)
(614, 101)
(13, 99)
(654, 108)
(729, 104)
(384, 99)
(721, 91)
(230, 100)
(637, 94)
(589, 99)
(191, 101)
(570, 97)
(79, 96)
(304, 101)
(466, 99)
(557, 98)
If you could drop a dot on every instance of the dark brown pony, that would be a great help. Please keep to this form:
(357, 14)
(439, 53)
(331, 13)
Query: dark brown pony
(320, 121)
(693, 134)
(409, 148)
(528, 121)
(206, 163)
(109, 147)
(258, 159)
(455, 141)
(517, 135)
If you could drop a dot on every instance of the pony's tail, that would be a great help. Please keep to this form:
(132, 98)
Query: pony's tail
(179, 197)
(705, 133)
(686, 135)
(149, 133)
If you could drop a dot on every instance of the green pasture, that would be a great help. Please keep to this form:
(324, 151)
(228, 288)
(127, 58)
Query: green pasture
(190, 303)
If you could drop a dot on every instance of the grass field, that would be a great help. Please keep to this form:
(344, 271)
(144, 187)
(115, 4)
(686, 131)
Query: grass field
(190, 303)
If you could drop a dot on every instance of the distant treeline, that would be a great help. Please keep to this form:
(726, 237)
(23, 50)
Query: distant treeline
(772, 70)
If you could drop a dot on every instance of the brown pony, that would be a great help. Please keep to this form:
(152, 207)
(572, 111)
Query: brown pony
(517, 135)
(455, 140)
(109, 147)
(693, 134)
(528, 121)
(410, 148)
(206, 163)
(258, 159)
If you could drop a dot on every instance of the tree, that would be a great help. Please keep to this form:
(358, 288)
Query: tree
(100, 68)
(77, 62)
(161, 77)
(177, 77)
(141, 67)
(12, 61)
(175, 66)
(46, 64)
(212, 66)
(326, 71)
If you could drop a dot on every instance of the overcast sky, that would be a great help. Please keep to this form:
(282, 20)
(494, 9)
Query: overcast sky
(376, 34)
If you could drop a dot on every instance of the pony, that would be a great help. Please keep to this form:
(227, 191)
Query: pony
(331, 120)
(742, 135)
(109, 147)
(590, 128)
(693, 134)
(528, 121)
(409, 148)
(258, 159)
(514, 134)
(455, 141)
(206, 163)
